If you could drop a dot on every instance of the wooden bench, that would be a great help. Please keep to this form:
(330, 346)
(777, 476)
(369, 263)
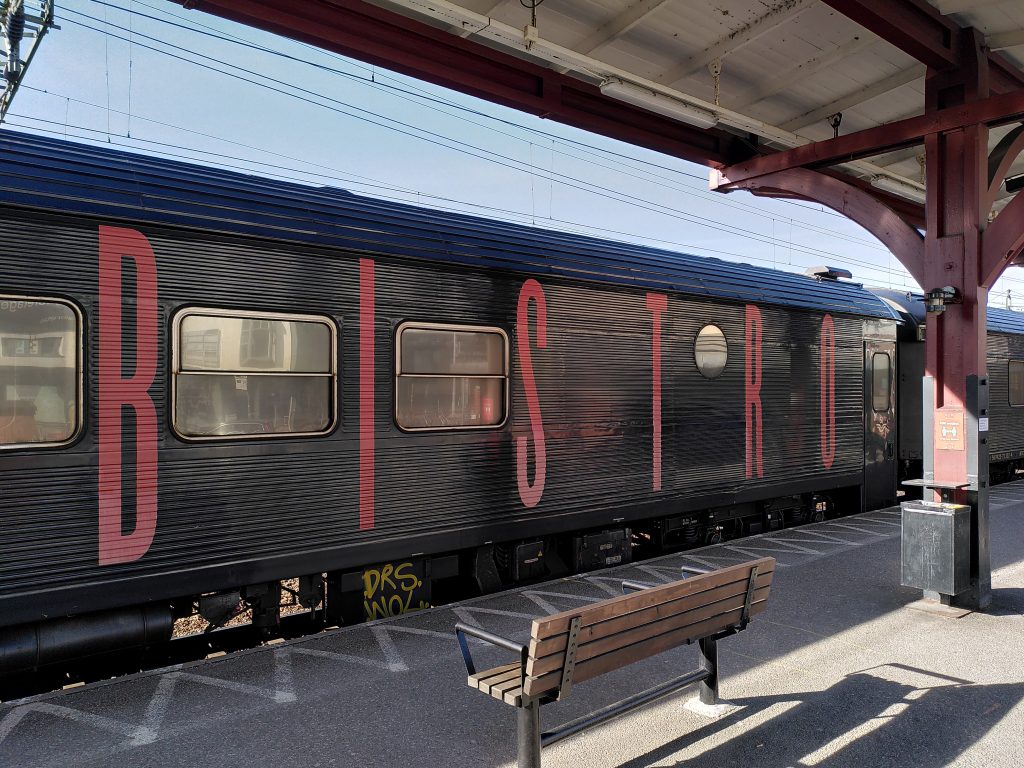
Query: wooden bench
(581, 644)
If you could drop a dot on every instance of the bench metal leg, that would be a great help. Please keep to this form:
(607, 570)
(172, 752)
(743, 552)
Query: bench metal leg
(707, 703)
(709, 663)
(528, 729)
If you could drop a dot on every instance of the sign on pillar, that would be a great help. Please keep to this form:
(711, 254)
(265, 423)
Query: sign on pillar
(949, 429)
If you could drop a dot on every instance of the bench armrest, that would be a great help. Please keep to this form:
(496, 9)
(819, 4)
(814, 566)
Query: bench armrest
(696, 571)
(634, 586)
(461, 630)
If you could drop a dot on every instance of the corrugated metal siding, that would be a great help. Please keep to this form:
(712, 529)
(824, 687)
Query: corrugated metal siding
(236, 508)
(1005, 321)
(76, 178)
(1006, 424)
(1005, 342)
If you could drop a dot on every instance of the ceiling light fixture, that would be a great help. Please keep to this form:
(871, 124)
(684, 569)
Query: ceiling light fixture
(899, 188)
(657, 102)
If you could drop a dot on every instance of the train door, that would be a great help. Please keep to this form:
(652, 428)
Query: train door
(879, 424)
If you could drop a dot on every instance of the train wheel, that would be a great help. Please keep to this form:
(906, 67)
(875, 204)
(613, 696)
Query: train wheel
(714, 536)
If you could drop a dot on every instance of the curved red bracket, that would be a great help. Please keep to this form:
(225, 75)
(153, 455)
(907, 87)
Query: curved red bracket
(905, 242)
(1000, 160)
(1002, 242)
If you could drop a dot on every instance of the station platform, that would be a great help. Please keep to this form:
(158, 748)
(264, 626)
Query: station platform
(838, 671)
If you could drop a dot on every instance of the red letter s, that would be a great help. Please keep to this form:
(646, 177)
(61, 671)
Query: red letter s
(530, 494)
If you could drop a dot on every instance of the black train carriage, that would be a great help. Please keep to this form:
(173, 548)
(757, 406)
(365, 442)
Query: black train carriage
(213, 381)
(1005, 364)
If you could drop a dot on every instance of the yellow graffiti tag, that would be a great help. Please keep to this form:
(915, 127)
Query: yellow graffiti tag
(388, 591)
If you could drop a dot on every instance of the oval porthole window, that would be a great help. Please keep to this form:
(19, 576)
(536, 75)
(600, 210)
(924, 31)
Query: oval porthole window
(711, 351)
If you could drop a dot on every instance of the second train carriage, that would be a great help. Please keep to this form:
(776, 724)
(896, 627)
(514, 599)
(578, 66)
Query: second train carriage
(1005, 355)
(213, 381)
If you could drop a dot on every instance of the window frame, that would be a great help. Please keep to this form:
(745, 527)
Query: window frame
(1009, 384)
(889, 378)
(248, 314)
(80, 363)
(696, 338)
(506, 377)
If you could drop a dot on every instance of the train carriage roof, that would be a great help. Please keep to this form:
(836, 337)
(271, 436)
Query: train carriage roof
(1005, 320)
(911, 306)
(55, 174)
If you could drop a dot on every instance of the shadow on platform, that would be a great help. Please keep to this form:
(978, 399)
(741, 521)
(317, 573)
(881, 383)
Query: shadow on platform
(1007, 602)
(890, 715)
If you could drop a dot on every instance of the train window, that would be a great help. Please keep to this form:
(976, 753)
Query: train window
(252, 374)
(450, 377)
(881, 382)
(1016, 388)
(41, 364)
(711, 351)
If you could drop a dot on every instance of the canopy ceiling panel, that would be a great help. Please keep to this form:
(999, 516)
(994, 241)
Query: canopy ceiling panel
(714, 81)
(784, 67)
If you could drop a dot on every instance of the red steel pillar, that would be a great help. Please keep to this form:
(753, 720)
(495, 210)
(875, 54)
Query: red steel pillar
(945, 544)
(957, 213)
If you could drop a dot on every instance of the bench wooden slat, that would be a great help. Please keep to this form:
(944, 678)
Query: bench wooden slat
(507, 688)
(503, 683)
(558, 623)
(495, 676)
(634, 633)
(607, 662)
(556, 644)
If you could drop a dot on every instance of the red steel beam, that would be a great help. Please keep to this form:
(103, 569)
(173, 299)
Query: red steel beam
(918, 29)
(912, 213)
(861, 206)
(384, 38)
(882, 138)
(1000, 160)
(913, 26)
(1003, 242)
(1004, 75)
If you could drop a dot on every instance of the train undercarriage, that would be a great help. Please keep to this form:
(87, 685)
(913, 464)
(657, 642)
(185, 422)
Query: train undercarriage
(37, 656)
(121, 640)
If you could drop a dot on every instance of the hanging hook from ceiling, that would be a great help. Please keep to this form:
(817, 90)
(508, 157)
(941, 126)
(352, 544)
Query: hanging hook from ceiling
(835, 121)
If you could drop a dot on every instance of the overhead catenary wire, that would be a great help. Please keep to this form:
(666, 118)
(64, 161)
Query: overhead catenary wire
(275, 171)
(436, 103)
(588, 149)
(411, 92)
(278, 86)
(521, 216)
(444, 204)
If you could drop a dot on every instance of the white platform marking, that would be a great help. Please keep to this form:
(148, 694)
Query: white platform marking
(149, 731)
(99, 722)
(827, 537)
(797, 547)
(868, 531)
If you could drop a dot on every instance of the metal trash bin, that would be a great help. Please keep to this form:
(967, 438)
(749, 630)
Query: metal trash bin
(936, 546)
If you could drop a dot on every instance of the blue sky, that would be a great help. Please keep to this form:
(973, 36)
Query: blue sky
(142, 75)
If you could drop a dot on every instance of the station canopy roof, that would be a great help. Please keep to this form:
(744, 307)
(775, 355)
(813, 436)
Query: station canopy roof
(777, 69)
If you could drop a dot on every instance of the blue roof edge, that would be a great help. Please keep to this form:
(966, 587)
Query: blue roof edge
(50, 173)
(912, 304)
